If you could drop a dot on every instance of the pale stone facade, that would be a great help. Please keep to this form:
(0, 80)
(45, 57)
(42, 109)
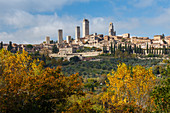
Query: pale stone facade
(158, 37)
(68, 39)
(47, 39)
(77, 34)
(111, 30)
(85, 27)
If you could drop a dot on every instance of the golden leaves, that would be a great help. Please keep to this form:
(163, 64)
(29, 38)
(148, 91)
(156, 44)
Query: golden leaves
(130, 84)
(26, 79)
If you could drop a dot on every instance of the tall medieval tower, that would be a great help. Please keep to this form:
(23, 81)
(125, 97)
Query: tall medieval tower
(77, 33)
(60, 36)
(111, 30)
(85, 27)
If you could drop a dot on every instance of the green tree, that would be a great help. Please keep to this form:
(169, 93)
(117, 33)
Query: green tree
(43, 58)
(111, 48)
(161, 96)
(126, 49)
(9, 48)
(55, 49)
(135, 48)
(74, 59)
(114, 49)
(1, 45)
(150, 50)
(147, 49)
(104, 49)
(29, 46)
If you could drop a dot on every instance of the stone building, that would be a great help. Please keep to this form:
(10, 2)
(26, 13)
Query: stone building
(68, 39)
(77, 34)
(111, 30)
(85, 27)
(47, 39)
(60, 36)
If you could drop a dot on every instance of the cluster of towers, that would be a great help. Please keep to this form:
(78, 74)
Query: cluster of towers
(77, 32)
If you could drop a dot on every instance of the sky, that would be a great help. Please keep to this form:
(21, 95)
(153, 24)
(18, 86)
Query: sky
(30, 21)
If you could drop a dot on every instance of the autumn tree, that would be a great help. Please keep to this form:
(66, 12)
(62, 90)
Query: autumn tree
(130, 85)
(26, 86)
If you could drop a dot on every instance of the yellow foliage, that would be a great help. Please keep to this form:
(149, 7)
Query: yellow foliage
(25, 82)
(130, 85)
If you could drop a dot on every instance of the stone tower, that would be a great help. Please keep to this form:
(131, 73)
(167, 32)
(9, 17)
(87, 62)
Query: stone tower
(60, 36)
(85, 27)
(47, 38)
(77, 33)
(68, 39)
(111, 30)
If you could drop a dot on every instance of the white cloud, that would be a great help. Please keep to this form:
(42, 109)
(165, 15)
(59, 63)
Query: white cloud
(35, 5)
(34, 28)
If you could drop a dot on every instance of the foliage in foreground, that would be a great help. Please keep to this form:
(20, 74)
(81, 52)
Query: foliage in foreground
(130, 86)
(26, 86)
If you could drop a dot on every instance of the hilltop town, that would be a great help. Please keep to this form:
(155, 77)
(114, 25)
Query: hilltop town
(95, 43)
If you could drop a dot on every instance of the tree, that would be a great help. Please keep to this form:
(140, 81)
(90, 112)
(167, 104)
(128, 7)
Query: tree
(29, 46)
(150, 50)
(26, 86)
(43, 58)
(126, 47)
(10, 46)
(161, 98)
(114, 49)
(74, 59)
(135, 48)
(111, 48)
(104, 49)
(1, 45)
(55, 49)
(140, 49)
(147, 48)
(130, 85)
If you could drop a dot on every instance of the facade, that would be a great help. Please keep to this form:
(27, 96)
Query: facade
(47, 39)
(68, 39)
(158, 37)
(60, 36)
(85, 27)
(77, 33)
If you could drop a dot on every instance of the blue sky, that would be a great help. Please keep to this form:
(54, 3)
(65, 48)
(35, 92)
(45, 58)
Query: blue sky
(30, 21)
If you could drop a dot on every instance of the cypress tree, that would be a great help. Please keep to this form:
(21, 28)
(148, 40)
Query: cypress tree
(111, 48)
(130, 49)
(150, 50)
(10, 46)
(1, 45)
(125, 46)
(135, 48)
(120, 47)
(147, 48)
(114, 49)
(55, 49)
(140, 49)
